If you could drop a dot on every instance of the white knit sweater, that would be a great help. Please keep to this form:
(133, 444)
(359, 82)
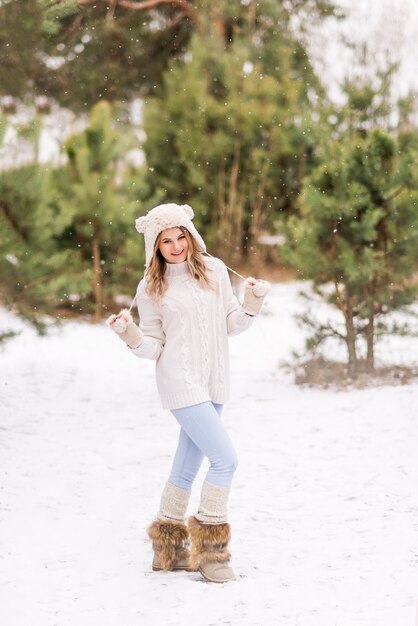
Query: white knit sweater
(187, 334)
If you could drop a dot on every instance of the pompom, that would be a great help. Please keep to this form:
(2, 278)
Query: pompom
(125, 314)
(261, 288)
(119, 323)
(140, 224)
(188, 210)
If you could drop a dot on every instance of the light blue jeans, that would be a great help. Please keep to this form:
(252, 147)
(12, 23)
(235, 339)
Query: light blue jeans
(202, 434)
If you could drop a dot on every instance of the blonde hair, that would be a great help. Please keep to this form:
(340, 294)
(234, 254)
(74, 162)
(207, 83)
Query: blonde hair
(155, 273)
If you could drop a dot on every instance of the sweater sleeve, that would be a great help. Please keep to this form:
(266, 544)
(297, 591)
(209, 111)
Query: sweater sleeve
(150, 323)
(236, 320)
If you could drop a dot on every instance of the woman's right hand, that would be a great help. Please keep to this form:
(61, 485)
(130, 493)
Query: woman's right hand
(125, 327)
(254, 294)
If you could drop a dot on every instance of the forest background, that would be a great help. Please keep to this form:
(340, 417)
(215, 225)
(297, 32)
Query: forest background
(220, 105)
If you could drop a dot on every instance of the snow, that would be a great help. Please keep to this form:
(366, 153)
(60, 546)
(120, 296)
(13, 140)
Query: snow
(323, 508)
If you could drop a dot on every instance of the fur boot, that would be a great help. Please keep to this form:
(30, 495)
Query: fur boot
(169, 542)
(209, 554)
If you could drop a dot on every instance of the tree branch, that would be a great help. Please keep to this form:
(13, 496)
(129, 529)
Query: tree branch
(111, 12)
(340, 300)
(73, 27)
(323, 330)
(393, 195)
(146, 5)
(21, 231)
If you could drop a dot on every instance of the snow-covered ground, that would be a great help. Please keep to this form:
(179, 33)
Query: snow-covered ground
(324, 507)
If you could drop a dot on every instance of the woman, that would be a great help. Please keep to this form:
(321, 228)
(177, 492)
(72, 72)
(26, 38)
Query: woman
(187, 310)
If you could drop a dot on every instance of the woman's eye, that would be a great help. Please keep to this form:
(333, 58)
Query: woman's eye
(181, 237)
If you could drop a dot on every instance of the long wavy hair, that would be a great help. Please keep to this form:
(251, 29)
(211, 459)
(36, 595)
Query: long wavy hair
(155, 273)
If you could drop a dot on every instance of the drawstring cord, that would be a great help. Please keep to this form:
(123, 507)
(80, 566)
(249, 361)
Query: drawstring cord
(230, 269)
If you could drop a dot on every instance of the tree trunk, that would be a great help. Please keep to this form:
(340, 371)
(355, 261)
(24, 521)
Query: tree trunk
(257, 222)
(231, 211)
(350, 339)
(96, 278)
(370, 344)
(345, 306)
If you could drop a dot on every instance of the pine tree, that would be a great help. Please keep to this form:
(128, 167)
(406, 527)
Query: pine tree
(89, 200)
(67, 235)
(357, 232)
(231, 132)
(32, 267)
(79, 52)
(358, 211)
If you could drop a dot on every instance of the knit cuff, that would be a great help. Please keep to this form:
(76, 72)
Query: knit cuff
(173, 504)
(213, 504)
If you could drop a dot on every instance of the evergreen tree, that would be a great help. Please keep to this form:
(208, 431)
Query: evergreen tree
(89, 201)
(32, 268)
(358, 210)
(66, 234)
(231, 136)
(357, 232)
(80, 51)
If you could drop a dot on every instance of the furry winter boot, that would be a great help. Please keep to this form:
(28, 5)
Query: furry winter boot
(209, 554)
(210, 534)
(169, 542)
(168, 533)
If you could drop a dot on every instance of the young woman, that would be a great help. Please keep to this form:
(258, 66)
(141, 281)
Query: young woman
(187, 309)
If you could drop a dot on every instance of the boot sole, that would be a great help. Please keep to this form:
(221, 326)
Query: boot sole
(213, 580)
(173, 569)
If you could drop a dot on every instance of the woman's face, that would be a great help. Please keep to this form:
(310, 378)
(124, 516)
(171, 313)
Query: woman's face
(173, 245)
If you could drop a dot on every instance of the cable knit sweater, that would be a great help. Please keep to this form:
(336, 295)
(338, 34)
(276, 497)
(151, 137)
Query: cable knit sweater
(187, 335)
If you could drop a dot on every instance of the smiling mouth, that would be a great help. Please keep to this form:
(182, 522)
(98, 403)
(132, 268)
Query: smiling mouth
(177, 254)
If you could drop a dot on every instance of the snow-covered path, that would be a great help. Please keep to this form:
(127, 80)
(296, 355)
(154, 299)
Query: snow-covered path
(324, 508)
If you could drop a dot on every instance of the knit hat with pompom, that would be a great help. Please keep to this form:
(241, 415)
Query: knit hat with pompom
(166, 216)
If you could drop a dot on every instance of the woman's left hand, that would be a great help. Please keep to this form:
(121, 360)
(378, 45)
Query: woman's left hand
(125, 328)
(254, 294)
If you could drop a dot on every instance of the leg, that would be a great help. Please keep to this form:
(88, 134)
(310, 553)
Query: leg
(186, 463)
(187, 459)
(208, 529)
(204, 428)
(168, 532)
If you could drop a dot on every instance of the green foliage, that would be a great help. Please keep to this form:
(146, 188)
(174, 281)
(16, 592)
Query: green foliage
(31, 266)
(91, 207)
(76, 55)
(357, 230)
(57, 14)
(6, 335)
(79, 53)
(65, 234)
(97, 57)
(369, 99)
(230, 138)
(20, 35)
